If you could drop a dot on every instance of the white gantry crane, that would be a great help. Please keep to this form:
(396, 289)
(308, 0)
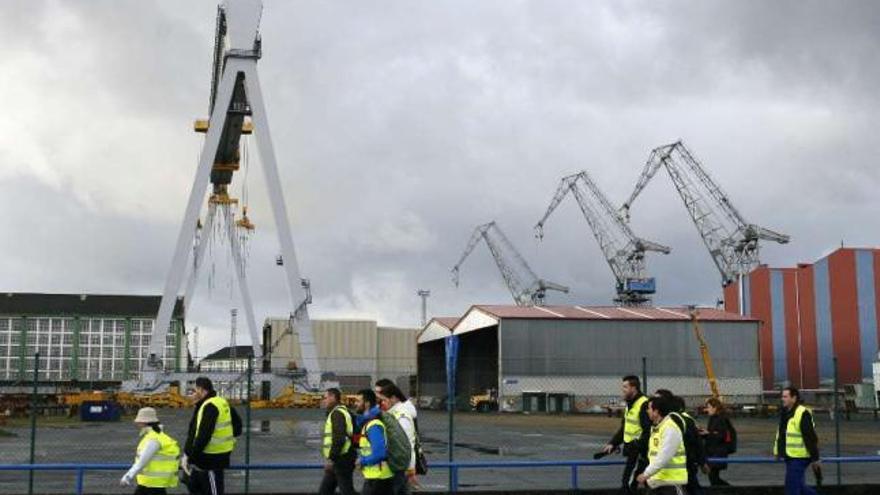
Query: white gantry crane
(236, 108)
(623, 250)
(525, 287)
(731, 240)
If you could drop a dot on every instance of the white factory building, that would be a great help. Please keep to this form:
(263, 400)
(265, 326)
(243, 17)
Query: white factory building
(83, 337)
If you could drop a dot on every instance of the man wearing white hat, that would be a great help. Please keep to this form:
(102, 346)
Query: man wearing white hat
(156, 460)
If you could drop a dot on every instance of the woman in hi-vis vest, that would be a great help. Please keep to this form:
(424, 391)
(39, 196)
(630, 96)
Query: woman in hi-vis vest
(156, 458)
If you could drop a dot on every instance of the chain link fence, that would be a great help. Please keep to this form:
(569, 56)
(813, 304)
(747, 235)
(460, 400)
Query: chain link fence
(495, 415)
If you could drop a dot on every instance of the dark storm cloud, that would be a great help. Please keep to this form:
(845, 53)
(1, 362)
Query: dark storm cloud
(401, 126)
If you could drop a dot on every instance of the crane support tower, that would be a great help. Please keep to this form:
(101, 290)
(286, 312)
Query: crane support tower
(731, 240)
(525, 287)
(236, 108)
(622, 249)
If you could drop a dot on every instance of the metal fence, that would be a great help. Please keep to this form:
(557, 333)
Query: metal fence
(542, 425)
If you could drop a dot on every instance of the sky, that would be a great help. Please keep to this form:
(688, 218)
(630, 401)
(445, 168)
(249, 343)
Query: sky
(399, 126)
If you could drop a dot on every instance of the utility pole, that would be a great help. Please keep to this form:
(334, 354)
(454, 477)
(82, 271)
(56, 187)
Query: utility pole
(424, 295)
(233, 313)
(195, 343)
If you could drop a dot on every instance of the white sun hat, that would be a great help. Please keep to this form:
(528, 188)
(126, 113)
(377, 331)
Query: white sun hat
(146, 415)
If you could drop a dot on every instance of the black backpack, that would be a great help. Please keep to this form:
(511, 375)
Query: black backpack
(730, 438)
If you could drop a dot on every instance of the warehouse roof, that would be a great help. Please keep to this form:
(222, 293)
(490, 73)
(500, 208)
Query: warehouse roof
(606, 313)
(438, 328)
(483, 316)
(33, 304)
(241, 352)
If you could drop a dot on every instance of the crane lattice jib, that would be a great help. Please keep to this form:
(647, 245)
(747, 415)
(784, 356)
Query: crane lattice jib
(622, 249)
(731, 241)
(524, 285)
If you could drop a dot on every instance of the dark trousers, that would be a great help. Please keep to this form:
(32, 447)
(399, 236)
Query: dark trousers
(146, 490)
(206, 482)
(378, 487)
(795, 474)
(693, 486)
(340, 476)
(715, 476)
(669, 490)
(400, 483)
(635, 465)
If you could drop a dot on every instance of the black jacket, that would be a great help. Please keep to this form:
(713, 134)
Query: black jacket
(719, 428)
(811, 441)
(339, 436)
(196, 441)
(644, 420)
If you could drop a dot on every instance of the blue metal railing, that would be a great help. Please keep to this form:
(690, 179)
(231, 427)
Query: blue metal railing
(454, 467)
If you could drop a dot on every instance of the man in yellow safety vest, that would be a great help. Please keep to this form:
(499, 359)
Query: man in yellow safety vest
(210, 440)
(667, 472)
(796, 442)
(373, 447)
(157, 457)
(337, 448)
(633, 433)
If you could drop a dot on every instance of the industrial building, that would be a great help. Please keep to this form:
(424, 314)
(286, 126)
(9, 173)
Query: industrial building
(564, 358)
(230, 359)
(358, 352)
(84, 337)
(812, 313)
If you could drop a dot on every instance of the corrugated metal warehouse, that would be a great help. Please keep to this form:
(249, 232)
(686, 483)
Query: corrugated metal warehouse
(812, 313)
(359, 352)
(558, 358)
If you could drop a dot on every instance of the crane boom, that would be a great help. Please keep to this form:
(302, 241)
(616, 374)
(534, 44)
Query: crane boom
(622, 249)
(704, 353)
(525, 286)
(731, 240)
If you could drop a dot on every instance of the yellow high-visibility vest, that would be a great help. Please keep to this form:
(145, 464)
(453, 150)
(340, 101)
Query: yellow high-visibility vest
(328, 431)
(380, 471)
(222, 439)
(674, 473)
(161, 471)
(632, 426)
(794, 438)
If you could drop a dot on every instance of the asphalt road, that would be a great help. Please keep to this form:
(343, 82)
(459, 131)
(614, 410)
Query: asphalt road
(279, 436)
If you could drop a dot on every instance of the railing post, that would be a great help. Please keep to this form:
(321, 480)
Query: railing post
(80, 474)
(574, 477)
(453, 476)
(836, 420)
(645, 374)
(247, 427)
(33, 420)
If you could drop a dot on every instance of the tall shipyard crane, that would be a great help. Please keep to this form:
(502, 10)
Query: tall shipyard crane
(623, 250)
(525, 287)
(731, 240)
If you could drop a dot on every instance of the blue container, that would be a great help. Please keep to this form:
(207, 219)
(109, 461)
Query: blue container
(100, 410)
(641, 285)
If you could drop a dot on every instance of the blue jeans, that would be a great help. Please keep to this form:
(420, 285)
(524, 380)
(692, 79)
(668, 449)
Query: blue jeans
(795, 471)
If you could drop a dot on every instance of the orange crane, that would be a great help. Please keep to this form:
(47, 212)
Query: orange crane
(704, 352)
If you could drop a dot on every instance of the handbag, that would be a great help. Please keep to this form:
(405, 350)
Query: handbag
(421, 460)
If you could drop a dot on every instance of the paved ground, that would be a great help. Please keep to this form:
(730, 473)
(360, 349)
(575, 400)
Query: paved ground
(293, 436)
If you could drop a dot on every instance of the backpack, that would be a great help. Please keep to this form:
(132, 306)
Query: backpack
(399, 448)
(730, 438)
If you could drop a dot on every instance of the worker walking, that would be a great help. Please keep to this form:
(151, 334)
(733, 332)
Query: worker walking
(633, 433)
(373, 448)
(210, 440)
(666, 473)
(156, 458)
(693, 444)
(392, 400)
(720, 439)
(337, 447)
(796, 442)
